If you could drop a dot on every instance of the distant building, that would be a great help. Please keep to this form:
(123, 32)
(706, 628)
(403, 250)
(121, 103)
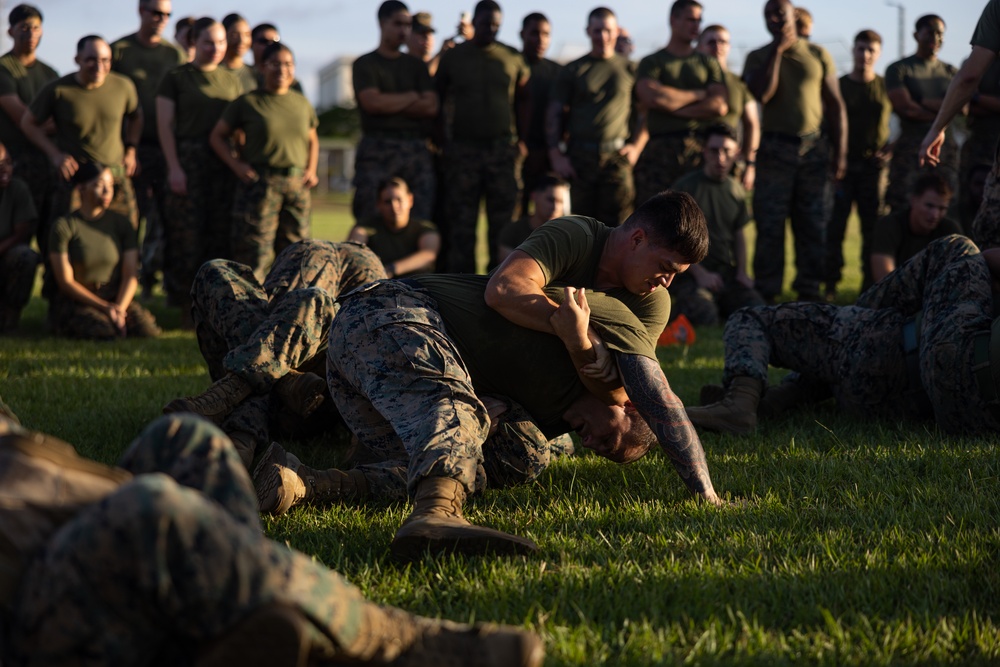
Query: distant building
(336, 84)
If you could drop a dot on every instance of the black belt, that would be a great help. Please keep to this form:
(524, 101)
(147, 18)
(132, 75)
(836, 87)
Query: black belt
(597, 146)
(265, 170)
(795, 139)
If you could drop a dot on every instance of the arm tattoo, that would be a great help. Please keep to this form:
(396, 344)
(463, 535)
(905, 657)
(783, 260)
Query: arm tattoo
(650, 393)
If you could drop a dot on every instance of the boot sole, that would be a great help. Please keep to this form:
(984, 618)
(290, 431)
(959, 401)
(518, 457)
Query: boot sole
(410, 544)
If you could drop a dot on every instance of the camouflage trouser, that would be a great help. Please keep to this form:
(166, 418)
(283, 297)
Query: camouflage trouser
(603, 187)
(665, 159)
(35, 169)
(905, 169)
(792, 182)
(977, 152)
(986, 226)
(269, 215)
(864, 185)
(515, 452)
(951, 283)
(703, 307)
(74, 319)
(17, 276)
(150, 192)
(378, 159)
(161, 568)
(260, 332)
(197, 225)
(473, 172)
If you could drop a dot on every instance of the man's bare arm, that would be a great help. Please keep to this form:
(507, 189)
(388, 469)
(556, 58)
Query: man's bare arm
(961, 89)
(655, 95)
(515, 290)
(650, 393)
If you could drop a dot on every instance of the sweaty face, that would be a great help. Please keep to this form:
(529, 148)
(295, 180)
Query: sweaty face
(396, 29)
(95, 62)
(602, 429)
(394, 204)
(27, 34)
(926, 211)
(537, 37)
(210, 47)
(720, 153)
(603, 33)
(649, 267)
(687, 24)
(715, 43)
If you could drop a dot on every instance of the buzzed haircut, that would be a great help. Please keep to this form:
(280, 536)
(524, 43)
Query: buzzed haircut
(926, 20)
(82, 44)
(600, 13)
(715, 27)
(932, 181)
(532, 18)
(869, 36)
(550, 180)
(186, 22)
(390, 7)
(486, 6)
(263, 27)
(200, 26)
(391, 182)
(721, 129)
(673, 220)
(680, 5)
(274, 48)
(24, 12)
(231, 20)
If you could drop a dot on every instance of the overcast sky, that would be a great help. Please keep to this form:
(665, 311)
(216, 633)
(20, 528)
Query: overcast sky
(319, 31)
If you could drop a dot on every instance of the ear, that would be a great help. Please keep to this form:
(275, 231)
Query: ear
(629, 408)
(637, 237)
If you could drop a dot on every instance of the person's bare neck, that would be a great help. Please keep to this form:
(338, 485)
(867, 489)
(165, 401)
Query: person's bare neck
(233, 62)
(608, 267)
(26, 58)
(92, 212)
(862, 74)
(388, 50)
(148, 40)
(679, 47)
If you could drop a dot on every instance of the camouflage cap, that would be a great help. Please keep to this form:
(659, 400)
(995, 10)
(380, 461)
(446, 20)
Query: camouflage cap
(422, 22)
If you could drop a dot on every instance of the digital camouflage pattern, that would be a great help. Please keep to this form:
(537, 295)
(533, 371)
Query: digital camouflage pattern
(858, 350)
(268, 215)
(603, 187)
(664, 160)
(986, 226)
(378, 159)
(150, 191)
(905, 169)
(167, 564)
(977, 151)
(793, 182)
(472, 173)
(17, 277)
(864, 186)
(75, 319)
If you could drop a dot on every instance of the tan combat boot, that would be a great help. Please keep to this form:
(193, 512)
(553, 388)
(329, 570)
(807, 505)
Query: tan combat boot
(436, 524)
(302, 393)
(282, 482)
(215, 402)
(272, 635)
(735, 413)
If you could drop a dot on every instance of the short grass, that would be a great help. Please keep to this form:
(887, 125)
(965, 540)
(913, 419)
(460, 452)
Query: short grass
(848, 543)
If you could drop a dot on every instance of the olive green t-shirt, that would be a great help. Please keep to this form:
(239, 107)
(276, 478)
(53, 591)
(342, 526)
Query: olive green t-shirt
(24, 82)
(88, 122)
(987, 32)
(276, 127)
(692, 72)
(481, 82)
(868, 110)
(797, 106)
(737, 97)
(392, 244)
(16, 207)
(95, 247)
(246, 75)
(145, 65)
(199, 98)
(403, 74)
(258, 77)
(598, 92)
(893, 236)
(725, 207)
(531, 367)
(568, 251)
(543, 76)
(923, 80)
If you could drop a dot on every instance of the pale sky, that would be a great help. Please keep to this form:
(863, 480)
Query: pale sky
(319, 31)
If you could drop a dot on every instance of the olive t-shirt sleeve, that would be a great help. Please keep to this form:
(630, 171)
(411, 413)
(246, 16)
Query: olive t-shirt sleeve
(168, 85)
(59, 237)
(563, 248)
(893, 76)
(887, 237)
(8, 86)
(987, 33)
(128, 238)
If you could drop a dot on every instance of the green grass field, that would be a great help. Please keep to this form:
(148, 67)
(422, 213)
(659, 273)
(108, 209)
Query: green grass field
(848, 543)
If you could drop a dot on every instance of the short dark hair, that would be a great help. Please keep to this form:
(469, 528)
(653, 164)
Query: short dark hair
(932, 181)
(869, 36)
(638, 440)
(391, 182)
(390, 7)
(721, 129)
(712, 28)
(200, 26)
(231, 20)
(87, 39)
(599, 13)
(673, 220)
(550, 180)
(486, 6)
(926, 19)
(274, 48)
(680, 5)
(23, 12)
(531, 18)
(258, 29)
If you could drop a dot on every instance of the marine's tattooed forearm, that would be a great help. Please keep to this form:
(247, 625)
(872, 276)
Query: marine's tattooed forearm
(650, 393)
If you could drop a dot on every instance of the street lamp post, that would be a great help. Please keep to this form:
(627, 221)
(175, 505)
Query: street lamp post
(901, 12)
